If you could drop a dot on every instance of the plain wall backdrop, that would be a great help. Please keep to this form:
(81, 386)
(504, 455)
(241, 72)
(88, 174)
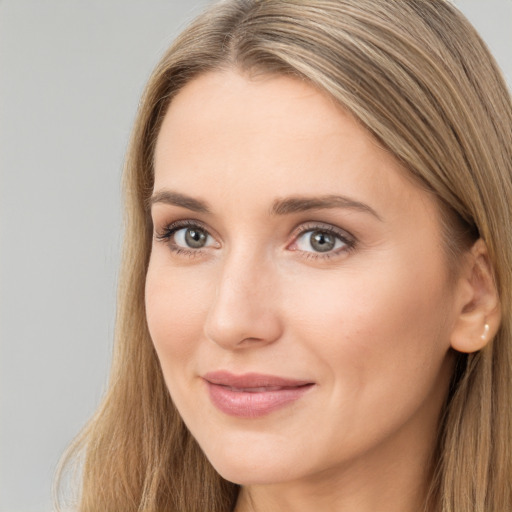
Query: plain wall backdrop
(71, 73)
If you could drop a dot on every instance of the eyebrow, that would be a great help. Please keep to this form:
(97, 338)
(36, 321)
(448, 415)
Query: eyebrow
(285, 206)
(302, 204)
(176, 199)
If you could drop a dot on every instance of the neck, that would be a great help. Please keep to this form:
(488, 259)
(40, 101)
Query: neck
(389, 480)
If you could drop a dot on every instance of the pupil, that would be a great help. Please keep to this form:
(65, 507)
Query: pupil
(195, 238)
(322, 242)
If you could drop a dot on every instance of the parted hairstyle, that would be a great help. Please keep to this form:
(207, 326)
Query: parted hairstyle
(416, 74)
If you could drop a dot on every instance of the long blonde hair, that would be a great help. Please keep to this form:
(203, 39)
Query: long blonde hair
(418, 77)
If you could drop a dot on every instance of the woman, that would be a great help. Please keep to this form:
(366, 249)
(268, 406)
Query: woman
(315, 297)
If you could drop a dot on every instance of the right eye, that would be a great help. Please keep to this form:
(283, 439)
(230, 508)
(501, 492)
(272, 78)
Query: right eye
(187, 237)
(193, 238)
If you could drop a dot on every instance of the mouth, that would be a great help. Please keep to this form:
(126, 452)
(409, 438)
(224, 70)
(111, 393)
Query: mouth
(253, 395)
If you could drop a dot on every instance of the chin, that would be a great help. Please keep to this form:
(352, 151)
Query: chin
(245, 474)
(256, 462)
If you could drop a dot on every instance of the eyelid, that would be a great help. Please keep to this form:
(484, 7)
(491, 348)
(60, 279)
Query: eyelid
(171, 227)
(322, 226)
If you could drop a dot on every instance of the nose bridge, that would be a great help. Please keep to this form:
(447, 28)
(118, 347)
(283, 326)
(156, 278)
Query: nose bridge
(244, 307)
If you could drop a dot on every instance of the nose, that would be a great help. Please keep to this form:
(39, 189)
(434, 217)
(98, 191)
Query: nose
(245, 309)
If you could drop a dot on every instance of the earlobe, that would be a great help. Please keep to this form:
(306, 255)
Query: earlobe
(478, 308)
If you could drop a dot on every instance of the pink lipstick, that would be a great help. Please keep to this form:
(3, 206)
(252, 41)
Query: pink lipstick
(252, 395)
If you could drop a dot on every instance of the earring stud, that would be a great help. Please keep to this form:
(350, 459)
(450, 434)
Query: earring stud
(486, 331)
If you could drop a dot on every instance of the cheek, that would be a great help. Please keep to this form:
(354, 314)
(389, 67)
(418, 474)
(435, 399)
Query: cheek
(379, 345)
(175, 310)
(374, 329)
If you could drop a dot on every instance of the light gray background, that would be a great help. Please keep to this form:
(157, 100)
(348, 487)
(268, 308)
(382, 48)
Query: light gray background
(71, 73)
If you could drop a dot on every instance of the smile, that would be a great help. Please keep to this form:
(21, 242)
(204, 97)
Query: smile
(252, 395)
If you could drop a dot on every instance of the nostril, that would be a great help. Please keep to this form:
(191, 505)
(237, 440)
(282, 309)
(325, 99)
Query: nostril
(243, 329)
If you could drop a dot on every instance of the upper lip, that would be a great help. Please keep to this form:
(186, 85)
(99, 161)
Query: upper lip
(252, 380)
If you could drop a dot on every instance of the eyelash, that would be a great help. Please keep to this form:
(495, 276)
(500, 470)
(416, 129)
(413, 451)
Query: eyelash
(349, 242)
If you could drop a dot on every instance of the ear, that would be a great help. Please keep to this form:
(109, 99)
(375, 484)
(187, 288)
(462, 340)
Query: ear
(478, 305)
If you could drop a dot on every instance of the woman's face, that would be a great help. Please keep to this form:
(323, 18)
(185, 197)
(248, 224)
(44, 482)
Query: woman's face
(298, 294)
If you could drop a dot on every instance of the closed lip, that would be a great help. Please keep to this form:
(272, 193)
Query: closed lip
(253, 395)
(253, 381)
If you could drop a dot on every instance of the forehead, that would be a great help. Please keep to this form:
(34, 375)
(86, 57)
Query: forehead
(257, 139)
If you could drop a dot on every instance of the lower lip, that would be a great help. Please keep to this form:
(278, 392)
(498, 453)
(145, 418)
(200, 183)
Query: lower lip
(246, 404)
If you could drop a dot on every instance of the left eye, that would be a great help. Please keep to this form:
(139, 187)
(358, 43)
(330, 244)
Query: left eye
(319, 240)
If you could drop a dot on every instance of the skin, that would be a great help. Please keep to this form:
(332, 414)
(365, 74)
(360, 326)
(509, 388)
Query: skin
(369, 323)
